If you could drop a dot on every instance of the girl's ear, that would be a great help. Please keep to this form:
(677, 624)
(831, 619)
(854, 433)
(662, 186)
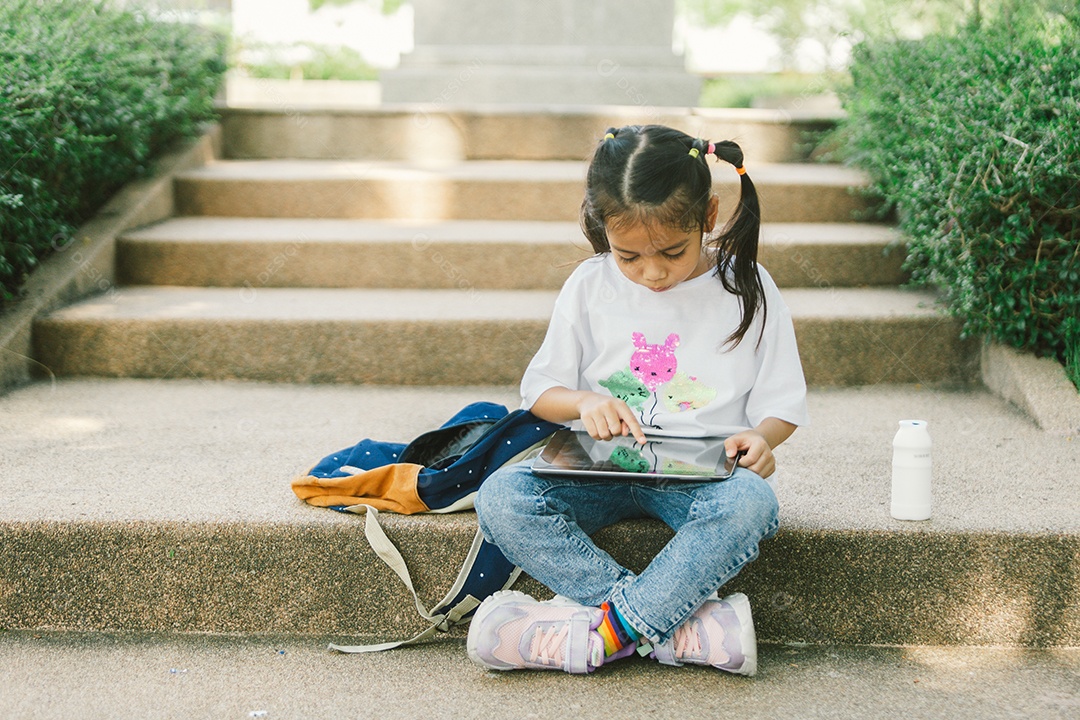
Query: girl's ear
(712, 213)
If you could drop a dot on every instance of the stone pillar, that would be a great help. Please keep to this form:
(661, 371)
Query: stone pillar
(554, 52)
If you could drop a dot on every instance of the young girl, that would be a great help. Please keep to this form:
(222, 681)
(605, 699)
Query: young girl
(666, 331)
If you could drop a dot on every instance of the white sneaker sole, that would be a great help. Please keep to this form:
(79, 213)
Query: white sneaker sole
(747, 638)
(497, 599)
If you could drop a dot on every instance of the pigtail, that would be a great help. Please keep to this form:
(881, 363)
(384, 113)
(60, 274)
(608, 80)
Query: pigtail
(591, 219)
(737, 247)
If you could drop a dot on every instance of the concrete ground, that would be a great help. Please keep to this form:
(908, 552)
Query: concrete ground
(188, 450)
(88, 676)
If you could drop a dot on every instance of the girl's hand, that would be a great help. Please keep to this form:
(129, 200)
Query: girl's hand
(758, 455)
(604, 417)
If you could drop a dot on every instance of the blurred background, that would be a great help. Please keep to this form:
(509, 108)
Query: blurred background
(748, 53)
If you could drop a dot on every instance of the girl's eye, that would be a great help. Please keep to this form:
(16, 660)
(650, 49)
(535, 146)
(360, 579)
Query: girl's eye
(669, 256)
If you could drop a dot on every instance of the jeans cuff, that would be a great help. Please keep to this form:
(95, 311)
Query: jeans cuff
(618, 599)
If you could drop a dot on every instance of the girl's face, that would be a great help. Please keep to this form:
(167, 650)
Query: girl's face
(660, 257)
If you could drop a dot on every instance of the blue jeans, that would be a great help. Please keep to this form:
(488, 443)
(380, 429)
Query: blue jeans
(544, 525)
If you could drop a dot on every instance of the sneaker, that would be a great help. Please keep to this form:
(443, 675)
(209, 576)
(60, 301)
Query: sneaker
(719, 633)
(513, 631)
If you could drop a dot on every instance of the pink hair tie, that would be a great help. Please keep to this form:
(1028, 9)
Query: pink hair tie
(711, 150)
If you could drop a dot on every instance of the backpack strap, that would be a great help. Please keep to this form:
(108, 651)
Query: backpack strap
(453, 609)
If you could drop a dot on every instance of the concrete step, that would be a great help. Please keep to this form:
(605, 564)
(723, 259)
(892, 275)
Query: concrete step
(477, 190)
(460, 337)
(164, 506)
(286, 252)
(427, 132)
(121, 677)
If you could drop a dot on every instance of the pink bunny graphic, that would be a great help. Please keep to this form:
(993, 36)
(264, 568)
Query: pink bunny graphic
(654, 365)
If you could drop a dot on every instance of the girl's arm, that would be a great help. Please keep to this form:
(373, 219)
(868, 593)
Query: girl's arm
(758, 444)
(603, 416)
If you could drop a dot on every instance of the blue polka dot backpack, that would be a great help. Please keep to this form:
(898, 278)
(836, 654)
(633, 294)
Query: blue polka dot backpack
(438, 472)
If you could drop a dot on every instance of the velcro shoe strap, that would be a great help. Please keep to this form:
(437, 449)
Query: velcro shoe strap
(576, 660)
(665, 653)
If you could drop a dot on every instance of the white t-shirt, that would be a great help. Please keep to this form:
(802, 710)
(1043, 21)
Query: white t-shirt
(664, 353)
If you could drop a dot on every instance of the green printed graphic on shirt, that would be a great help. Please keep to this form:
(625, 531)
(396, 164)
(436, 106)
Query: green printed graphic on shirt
(683, 392)
(627, 388)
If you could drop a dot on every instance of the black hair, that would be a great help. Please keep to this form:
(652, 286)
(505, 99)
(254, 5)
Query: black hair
(648, 173)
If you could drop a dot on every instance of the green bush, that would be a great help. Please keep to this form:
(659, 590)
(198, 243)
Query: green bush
(88, 96)
(974, 140)
(1072, 349)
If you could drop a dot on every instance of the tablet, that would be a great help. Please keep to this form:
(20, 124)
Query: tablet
(574, 453)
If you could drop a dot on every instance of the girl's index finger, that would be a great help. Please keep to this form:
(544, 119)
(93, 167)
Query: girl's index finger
(633, 427)
(639, 435)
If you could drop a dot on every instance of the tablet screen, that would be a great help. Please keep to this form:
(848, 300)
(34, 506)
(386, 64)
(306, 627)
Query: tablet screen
(575, 453)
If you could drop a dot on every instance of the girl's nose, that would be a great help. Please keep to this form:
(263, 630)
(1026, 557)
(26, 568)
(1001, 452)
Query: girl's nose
(654, 271)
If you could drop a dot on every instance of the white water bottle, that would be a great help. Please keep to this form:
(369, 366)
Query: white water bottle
(911, 471)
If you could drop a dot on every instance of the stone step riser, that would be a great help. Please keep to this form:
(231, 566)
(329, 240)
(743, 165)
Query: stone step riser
(433, 198)
(423, 134)
(466, 352)
(426, 263)
(819, 587)
(392, 264)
